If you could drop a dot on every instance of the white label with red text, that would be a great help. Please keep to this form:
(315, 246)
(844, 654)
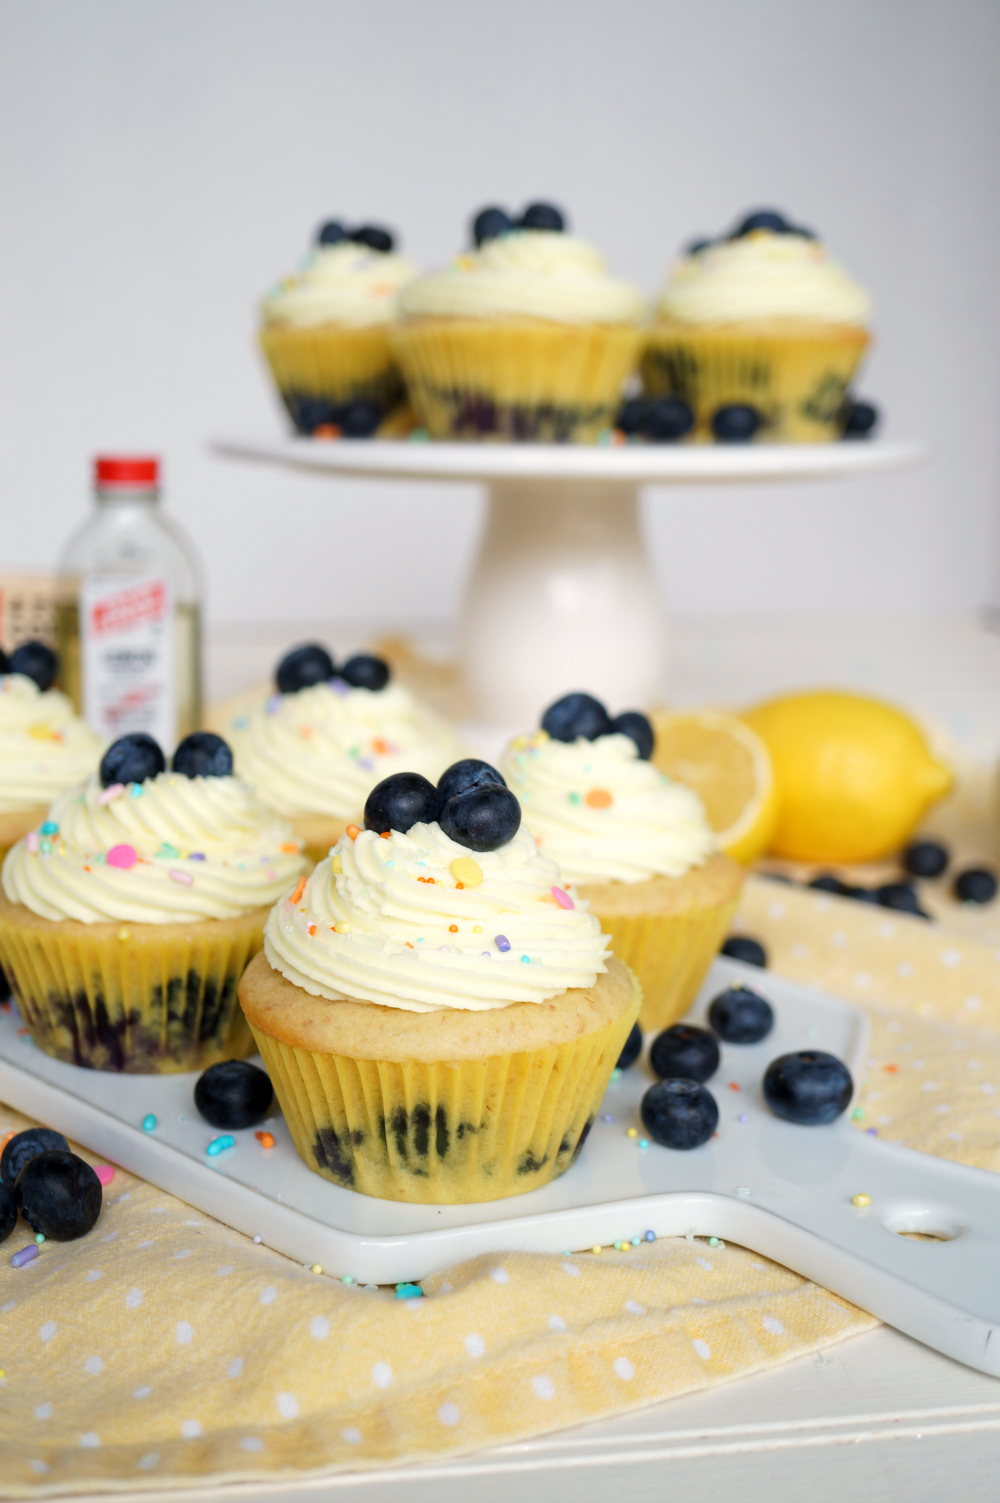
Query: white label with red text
(127, 649)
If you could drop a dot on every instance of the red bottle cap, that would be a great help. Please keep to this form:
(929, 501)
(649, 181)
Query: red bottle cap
(131, 472)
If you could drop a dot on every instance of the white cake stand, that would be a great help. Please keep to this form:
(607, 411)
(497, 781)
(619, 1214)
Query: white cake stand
(562, 595)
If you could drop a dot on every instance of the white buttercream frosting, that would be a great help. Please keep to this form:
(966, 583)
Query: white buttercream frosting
(167, 851)
(602, 813)
(386, 920)
(322, 751)
(528, 274)
(762, 275)
(44, 747)
(345, 284)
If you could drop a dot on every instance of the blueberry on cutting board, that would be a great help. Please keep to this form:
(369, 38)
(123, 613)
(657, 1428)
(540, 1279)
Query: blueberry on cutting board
(234, 1094)
(684, 1052)
(809, 1088)
(741, 1016)
(631, 1049)
(679, 1114)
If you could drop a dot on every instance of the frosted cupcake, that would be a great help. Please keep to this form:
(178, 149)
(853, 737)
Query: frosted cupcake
(437, 1011)
(764, 319)
(127, 918)
(44, 747)
(524, 337)
(638, 846)
(315, 749)
(325, 332)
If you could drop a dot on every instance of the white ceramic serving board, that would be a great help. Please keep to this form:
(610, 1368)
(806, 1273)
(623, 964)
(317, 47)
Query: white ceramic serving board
(782, 1190)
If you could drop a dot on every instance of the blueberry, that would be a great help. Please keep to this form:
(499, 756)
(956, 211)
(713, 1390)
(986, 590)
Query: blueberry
(315, 412)
(5, 991)
(858, 419)
(469, 773)
(8, 1213)
(632, 415)
(925, 858)
(636, 725)
(631, 1049)
(37, 661)
(482, 818)
(542, 216)
(366, 671)
(374, 236)
(490, 224)
(132, 759)
(576, 715)
(741, 1016)
(24, 1146)
(358, 419)
(742, 947)
(400, 801)
(684, 1052)
(331, 233)
(233, 1094)
(203, 754)
(695, 247)
(679, 1113)
(809, 1087)
(4, 662)
(58, 1195)
(735, 424)
(975, 885)
(900, 897)
(303, 667)
(667, 419)
(862, 895)
(763, 219)
(827, 882)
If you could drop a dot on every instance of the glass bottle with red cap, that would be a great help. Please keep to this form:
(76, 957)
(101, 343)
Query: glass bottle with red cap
(128, 616)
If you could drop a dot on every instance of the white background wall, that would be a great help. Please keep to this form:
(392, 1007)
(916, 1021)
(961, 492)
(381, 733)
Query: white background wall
(162, 163)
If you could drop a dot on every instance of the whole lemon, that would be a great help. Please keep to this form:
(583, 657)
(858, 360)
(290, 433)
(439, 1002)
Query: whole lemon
(855, 775)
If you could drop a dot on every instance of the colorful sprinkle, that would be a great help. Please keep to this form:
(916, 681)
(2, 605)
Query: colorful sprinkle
(598, 798)
(861, 1199)
(352, 832)
(184, 878)
(632, 1133)
(857, 1114)
(135, 790)
(105, 1173)
(341, 927)
(123, 856)
(715, 1242)
(595, 1248)
(166, 849)
(220, 1144)
(466, 871)
(299, 890)
(197, 856)
(562, 898)
(452, 928)
(48, 828)
(502, 942)
(643, 1143)
(24, 1255)
(31, 842)
(124, 935)
(409, 1291)
(39, 1238)
(575, 798)
(148, 1123)
(265, 1139)
(110, 794)
(743, 1117)
(649, 1236)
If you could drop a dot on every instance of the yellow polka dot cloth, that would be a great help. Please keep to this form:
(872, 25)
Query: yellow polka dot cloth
(164, 1348)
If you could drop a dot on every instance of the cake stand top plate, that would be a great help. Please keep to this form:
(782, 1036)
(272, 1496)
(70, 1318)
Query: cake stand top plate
(630, 464)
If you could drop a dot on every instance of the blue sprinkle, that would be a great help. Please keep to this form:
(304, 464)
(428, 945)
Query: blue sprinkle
(218, 1144)
(525, 959)
(650, 1236)
(48, 828)
(872, 1132)
(409, 1291)
(196, 856)
(240, 722)
(148, 1123)
(502, 943)
(135, 790)
(487, 955)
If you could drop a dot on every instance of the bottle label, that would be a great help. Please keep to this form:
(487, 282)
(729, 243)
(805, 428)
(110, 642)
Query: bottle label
(127, 651)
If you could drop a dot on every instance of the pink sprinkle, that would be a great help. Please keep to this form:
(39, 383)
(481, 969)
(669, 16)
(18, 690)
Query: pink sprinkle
(111, 793)
(272, 876)
(32, 842)
(123, 856)
(105, 1173)
(562, 898)
(184, 878)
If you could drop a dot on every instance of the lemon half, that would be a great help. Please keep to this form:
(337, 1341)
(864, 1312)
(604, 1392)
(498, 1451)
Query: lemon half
(729, 768)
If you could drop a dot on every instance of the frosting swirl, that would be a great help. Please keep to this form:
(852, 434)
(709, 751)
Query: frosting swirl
(526, 273)
(171, 850)
(762, 275)
(44, 747)
(322, 750)
(345, 284)
(602, 813)
(383, 919)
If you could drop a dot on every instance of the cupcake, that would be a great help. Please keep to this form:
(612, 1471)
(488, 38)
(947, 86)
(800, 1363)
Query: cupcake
(44, 747)
(763, 318)
(128, 917)
(315, 749)
(325, 332)
(437, 1011)
(524, 337)
(637, 846)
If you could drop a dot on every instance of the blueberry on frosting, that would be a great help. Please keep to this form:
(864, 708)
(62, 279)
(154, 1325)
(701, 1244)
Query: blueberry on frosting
(374, 236)
(36, 661)
(365, 671)
(483, 818)
(636, 725)
(576, 715)
(203, 754)
(331, 233)
(763, 219)
(542, 216)
(303, 667)
(132, 759)
(469, 773)
(490, 224)
(401, 801)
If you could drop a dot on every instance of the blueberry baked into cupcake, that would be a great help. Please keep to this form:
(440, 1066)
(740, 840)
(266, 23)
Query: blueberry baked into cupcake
(637, 846)
(325, 332)
(436, 1009)
(44, 747)
(524, 336)
(315, 748)
(759, 332)
(128, 916)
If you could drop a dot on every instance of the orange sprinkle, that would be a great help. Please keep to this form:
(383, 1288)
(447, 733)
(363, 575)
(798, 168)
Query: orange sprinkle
(289, 848)
(426, 879)
(6, 1139)
(312, 928)
(306, 732)
(265, 1139)
(733, 1086)
(352, 831)
(379, 747)
(408, 945)
(385, 835)
(452, 928)
(86, 868)
(298, 891)
(459, 886)
(326, 430)
(890, 1069)
(598, 798)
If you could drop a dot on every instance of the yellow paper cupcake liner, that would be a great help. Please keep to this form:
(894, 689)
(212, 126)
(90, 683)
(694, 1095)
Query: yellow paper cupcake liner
(334, 363)
(522, 379)
(138, 998)
(796, 380)
(445, 1134)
